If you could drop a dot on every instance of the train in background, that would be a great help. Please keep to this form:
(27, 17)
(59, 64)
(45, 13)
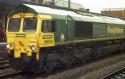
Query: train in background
(41, 38)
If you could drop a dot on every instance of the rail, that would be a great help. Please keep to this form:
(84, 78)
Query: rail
(119, 74)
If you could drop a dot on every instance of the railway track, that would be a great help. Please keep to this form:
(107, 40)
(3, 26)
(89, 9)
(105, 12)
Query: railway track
(4, 64)
(5, 69)
(9, 73)
(74, 73)
(119, 74)
(3, 51)
(6, 72)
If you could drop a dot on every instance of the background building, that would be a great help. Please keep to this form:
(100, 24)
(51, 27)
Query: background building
(114, 12)
(64, 3)
(41, 1)
(61, 3)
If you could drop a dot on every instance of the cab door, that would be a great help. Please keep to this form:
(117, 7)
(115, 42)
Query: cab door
(46, 37)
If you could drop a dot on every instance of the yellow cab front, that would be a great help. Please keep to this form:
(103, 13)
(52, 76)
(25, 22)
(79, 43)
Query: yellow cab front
(22, 34)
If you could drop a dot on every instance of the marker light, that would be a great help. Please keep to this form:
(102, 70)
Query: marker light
(8, 46)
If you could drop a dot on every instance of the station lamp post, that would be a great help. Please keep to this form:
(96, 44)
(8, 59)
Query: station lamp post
(69, 3)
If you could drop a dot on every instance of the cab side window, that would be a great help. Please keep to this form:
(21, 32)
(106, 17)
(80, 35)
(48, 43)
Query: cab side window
(48, 26)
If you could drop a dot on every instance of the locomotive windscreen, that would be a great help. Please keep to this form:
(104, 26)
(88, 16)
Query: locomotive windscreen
(14, 24)
(30, 24)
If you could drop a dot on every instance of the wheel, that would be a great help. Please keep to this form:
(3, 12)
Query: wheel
(48, 68)
(35, 67)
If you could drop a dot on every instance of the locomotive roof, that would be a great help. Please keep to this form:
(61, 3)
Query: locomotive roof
(76, 16)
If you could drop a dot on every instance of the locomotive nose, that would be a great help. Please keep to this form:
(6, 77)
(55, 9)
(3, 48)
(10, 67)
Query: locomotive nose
(24, 63)
(23, 48)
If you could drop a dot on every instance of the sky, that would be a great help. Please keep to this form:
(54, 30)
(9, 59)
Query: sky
(98, 5)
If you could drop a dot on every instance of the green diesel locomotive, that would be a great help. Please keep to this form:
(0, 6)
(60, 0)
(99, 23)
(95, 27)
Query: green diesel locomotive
(44, 38)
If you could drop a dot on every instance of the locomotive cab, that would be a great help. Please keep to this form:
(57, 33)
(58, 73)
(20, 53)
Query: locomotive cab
(27, 34)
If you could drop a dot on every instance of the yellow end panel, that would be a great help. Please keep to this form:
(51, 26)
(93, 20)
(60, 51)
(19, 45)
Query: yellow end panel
(46, 40)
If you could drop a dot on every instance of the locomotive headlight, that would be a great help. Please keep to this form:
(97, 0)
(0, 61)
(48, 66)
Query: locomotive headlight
(8, 46)
(33, 48)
